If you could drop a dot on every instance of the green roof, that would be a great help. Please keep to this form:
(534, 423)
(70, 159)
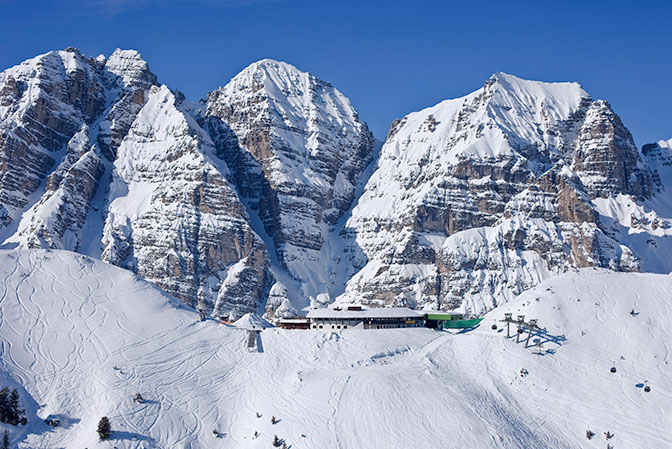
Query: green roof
(461, 324)
(443, 316)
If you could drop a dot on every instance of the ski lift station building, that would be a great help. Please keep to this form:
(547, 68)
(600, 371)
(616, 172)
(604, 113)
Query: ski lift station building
(356, 317)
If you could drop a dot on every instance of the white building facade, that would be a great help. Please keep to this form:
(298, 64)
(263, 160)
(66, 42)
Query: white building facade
(358, 318)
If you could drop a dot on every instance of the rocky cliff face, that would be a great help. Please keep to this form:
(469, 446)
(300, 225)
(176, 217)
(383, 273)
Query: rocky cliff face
(98, 158)
(43, 103)
(477, 199)
(63, 114)
(57, 218)
(244, 202)
(174, 218)
(297, 149)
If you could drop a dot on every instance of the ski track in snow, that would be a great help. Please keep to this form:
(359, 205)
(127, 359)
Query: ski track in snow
(82, 337)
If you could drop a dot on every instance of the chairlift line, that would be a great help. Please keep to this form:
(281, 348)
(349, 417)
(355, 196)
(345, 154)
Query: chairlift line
(531, 326)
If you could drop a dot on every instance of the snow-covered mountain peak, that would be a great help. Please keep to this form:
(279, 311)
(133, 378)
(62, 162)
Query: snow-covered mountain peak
(270, 75)
(507, 115)
(293, 96)
(510, 169)
(48, 67)
(216, 203)
(538, 88)
(273, 68)
(297, 149)
(558, 99)
(130, 67)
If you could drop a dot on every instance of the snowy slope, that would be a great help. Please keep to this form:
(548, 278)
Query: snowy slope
(67, 321)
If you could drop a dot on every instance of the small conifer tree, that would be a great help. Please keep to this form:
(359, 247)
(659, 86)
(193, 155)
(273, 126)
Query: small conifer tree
(276, 441)
(5, 440)
(104, 428)
(4, 405)
(15, 410)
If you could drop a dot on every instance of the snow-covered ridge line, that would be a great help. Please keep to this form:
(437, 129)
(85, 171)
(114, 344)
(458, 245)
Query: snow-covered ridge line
(249, 200)
(479, 198)
(148, 151)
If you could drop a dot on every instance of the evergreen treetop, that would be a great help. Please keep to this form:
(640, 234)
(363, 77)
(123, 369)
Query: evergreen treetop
(104, 428)
(5, 440)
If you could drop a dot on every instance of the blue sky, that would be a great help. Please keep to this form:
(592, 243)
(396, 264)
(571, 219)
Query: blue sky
(389, 57)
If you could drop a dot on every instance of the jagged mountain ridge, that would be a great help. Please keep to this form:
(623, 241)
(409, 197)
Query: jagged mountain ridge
(63, 108)
(129, 177)
(243, 201)
(479, 198)
(175, 219)
(297, 149)
(143, 180)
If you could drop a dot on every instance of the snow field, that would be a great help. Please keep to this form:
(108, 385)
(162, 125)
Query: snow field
(82, 337)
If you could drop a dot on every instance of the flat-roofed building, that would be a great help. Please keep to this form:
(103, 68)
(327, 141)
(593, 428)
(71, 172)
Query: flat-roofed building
(356, 317)
(436, 319)
(294, 323)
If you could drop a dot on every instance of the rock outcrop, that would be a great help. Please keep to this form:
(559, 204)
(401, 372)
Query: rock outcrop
(174, 218)
(243, 202)
(97, 158)
(297, 149)
(43, 102)
(476, 199)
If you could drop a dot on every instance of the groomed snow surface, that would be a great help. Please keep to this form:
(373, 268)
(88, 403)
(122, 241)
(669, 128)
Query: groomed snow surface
(79, 338)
